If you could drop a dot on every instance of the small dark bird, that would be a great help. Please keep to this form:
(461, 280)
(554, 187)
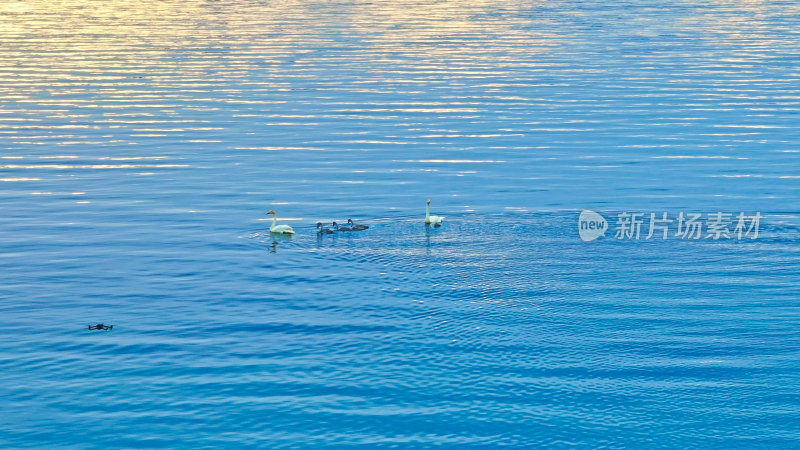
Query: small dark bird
(100, 327)
(323, 230)
(355, 227)
(340, 228)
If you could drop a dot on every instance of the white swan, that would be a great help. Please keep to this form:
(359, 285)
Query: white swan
(432, 220)
(275, 228)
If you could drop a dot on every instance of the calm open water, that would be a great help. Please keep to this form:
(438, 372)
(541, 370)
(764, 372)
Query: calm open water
(142, 143)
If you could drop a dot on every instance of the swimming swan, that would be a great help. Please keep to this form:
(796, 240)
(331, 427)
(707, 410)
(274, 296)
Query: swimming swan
(432, 220)
(355, 227)
(323, 230)
(275, 228)
(338, 227)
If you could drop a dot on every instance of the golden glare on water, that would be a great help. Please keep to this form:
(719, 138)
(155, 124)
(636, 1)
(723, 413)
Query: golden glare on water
(148, 80)
(116, 74)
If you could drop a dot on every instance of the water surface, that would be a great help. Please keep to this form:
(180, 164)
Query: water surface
(141, 144)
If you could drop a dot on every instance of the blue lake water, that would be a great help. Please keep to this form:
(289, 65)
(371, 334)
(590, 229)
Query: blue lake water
(142, 143)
